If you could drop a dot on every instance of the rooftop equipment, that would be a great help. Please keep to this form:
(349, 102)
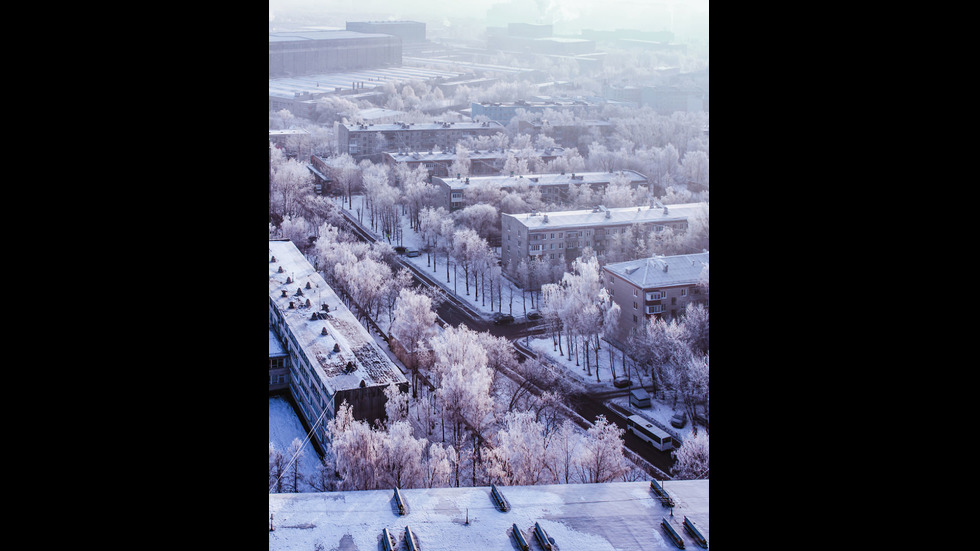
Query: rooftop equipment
(399, 502)
(661, 493)
(674, 537)
(542, 537)
(521, 542)
(409, 540)
(388, 540)
(694, 532)
(498, 499)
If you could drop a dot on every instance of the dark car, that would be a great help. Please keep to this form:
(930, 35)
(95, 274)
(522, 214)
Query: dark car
(501, 319)
(533, 315)
(400, 250)
(413, 254)
(621, 383)
(678, 420)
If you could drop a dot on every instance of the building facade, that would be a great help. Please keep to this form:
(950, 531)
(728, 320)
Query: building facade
(661, 286)
(371, 140)
(332, 358)
(482, 162)
(407, 31)
(561, 236)
(310, 52)
(553, 187)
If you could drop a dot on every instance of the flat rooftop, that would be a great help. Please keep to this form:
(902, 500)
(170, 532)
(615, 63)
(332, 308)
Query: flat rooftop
(594, 517)
(616, 216)
(287, 87)
(390, 127)
(549, 179)
(370, 363)
(433, 156)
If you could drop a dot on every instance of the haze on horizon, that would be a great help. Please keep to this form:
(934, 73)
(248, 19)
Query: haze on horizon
(687, 19)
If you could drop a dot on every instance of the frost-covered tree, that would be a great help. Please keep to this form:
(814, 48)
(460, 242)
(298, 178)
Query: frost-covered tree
(400, 460)
(519, 455)
(277, 468)
(563, 452)
(296, 456)
(291, 180)
(602, 458)
(691, 458)
(413, 325)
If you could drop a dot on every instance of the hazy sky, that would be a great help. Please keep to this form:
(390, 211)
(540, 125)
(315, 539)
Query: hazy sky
(689, 16)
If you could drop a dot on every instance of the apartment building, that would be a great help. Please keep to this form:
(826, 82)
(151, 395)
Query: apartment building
(660, 286)
(482, 162)
(553, 187)
(371, 140)
(561, 236)
(330, 357)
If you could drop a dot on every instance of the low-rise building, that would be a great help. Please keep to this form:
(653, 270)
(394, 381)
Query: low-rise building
(331, 357)
(488, 162)
(561, 236)
(660, 286)
(553, 187)
(371, 140)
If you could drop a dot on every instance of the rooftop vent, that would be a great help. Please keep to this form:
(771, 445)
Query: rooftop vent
(545, 219)
(273, 258)
(324, 332)
(289, 279)
(308, 303)
(284, 293)
(281, 270)
(308, 286)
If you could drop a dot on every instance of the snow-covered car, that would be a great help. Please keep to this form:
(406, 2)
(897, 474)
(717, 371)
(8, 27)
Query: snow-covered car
(413, 254)
(533, 315)
(678, 420)
(501, 319)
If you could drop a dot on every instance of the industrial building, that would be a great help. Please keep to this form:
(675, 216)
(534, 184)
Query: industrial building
(308, 52)
(331, 358)
(407, 31)
(660, 286)
(503, 112)
(571, 517)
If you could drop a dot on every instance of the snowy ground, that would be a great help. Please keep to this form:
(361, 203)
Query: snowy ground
(659, 410)
(284, 426)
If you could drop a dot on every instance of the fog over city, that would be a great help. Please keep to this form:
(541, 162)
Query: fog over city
(687, 19)
(488, 274)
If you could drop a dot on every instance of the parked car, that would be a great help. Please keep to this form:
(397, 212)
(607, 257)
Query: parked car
(621, 383)
(400, 250)
(533, 315)
(413, 254)
(678, 420)
(501, 319)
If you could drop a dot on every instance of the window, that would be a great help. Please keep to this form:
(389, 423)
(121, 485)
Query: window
(684, 292)
(634, 292)
(634, 318)
(535, 247)
(634, 305)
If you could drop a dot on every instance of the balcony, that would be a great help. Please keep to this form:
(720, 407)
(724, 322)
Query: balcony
(656, 295)
(654, 309)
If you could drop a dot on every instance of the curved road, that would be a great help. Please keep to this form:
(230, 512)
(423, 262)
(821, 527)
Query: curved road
(453, 312)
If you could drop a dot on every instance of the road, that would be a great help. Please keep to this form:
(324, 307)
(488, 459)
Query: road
(454, 312)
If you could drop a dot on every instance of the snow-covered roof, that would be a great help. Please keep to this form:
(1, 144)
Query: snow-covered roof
(548, 179)
(275, 347)
(294, 36)
(307, 324)
(661, 271)
(579, 517)
(457, 125)
(598, 216)
(425, 156)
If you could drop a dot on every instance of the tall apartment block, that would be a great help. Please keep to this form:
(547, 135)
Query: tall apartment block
(327, 355)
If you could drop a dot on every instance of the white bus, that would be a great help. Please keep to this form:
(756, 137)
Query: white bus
(654, 435)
